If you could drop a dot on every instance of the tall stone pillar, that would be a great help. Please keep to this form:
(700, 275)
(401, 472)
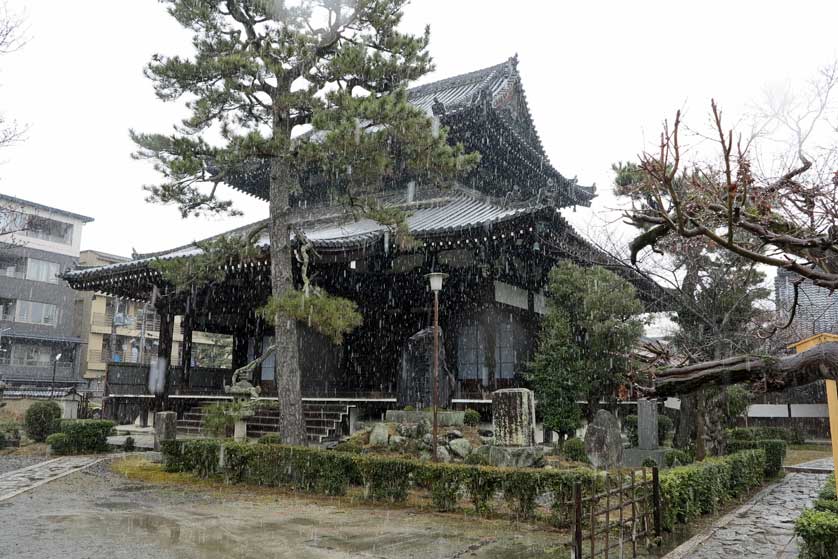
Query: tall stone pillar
(647, 424)
(513, 417)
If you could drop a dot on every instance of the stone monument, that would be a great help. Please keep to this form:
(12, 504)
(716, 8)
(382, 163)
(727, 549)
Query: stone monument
(513, 417)
(647, 424)
(603, 443)
(165, 427)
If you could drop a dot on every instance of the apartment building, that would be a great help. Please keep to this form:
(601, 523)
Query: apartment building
(38, 345)
(123, 330)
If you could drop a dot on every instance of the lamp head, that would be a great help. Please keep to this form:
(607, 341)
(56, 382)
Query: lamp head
(435, 279)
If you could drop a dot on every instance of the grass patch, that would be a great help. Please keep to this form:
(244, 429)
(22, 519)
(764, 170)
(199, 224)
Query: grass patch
(799, 453)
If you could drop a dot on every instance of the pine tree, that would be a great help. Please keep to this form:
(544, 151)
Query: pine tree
(263, 69)
(592, 325)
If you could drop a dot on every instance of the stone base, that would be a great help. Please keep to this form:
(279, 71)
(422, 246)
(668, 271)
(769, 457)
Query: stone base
(444, 418)
(634, 457)
(512, 456)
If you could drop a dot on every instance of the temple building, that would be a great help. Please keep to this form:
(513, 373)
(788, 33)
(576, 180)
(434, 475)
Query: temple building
(497, 234)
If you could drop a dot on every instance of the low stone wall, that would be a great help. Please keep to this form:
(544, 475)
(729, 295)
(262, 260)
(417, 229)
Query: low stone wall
(444, 418)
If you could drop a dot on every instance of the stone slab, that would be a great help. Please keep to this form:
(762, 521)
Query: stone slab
(604, 441)
(647, 424)
(513, 417)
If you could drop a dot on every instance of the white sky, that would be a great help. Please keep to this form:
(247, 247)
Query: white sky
(600, 77)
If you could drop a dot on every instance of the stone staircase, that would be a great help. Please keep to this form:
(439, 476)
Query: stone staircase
(323, 421)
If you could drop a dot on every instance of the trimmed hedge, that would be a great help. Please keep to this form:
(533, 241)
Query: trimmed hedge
(690, 491)
(471, 417)
(818, 527)
(42, 419)
(775, 452)
(81, 436)
(383, 478)
(791, 436)
(681, 457)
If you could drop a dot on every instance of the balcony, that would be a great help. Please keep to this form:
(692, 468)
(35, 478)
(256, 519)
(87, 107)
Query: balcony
(64, 372)
(128, 321)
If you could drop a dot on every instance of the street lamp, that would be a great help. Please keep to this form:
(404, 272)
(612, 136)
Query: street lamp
(435, 279)
(54, 365)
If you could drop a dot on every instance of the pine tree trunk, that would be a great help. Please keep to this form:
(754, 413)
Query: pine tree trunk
(287, 368)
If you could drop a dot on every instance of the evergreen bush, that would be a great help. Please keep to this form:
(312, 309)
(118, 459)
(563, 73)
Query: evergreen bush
(41, 420)
(665, 427)
(630, 427)
(471, 417)
(574, 449)
(690, 491)
(775, 452)
(818, 527)
(81, 436)
(675, 457)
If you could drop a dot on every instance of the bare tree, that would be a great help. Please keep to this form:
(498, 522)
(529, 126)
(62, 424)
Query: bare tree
(12, 38)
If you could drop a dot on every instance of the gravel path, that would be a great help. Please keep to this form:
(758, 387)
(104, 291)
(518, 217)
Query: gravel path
(762, 528)
(10, 462)
(96, 513)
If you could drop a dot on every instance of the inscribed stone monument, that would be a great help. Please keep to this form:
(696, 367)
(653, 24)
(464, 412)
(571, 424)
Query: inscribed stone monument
(603, 443)
(647, 424)
(513, 417)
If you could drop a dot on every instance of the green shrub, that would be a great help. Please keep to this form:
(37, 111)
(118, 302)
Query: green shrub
(677, 457)
(82, 436)
(471, 417)
(775, 452)
(409, 408)
(58, 443)
(826, 505)
(649, 463)
(819, 531)
(219, 419)
(828, 490)
(630, 427)
(445, 482)
(481, 485)
(574, 449)
(271, 438)
(475, 459)
(791, 436)
(386, 479)
(2, 440)
(690, 491)
(41, 420)
(665, 427)
(129, 445)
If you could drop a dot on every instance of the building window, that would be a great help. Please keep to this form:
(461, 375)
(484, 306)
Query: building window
(7, 309)
(471, 352)
(37, 313)
(5, 351)
(12, 266)
(504, 350)
(471, 362)
(49, 230)
(41, 270)
(32, 355)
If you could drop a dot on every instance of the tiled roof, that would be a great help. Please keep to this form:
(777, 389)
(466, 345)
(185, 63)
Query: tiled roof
(425, 220)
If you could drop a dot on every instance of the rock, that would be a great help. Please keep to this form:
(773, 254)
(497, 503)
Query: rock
(331, 445)
(380, 435)
(425, 455)
(509, 457)
(451, 435)
(427, 439)
(486, 433)
(397, 441)
(165, 427)
(487, 440)
(460, 447)
(513, 417)
(407, 430)
(442, 454)
(603, 443)
(423, 427)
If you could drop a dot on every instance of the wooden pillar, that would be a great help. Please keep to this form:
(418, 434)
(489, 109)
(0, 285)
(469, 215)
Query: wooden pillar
(240, 343)
(187, 324)
(164, 354)
(832, 403)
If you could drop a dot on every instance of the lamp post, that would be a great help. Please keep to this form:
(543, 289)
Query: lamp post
(54, 365)
(435, 279)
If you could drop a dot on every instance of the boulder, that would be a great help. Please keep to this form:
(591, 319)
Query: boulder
(487, 440)
(423, 427)
(407, 430)
(451, 435)
(380, 435)
(603, 443)
(460, 447)
(442, 454)
(397, 441)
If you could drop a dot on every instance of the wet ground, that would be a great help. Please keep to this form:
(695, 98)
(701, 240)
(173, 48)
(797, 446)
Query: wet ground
(97, 513)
